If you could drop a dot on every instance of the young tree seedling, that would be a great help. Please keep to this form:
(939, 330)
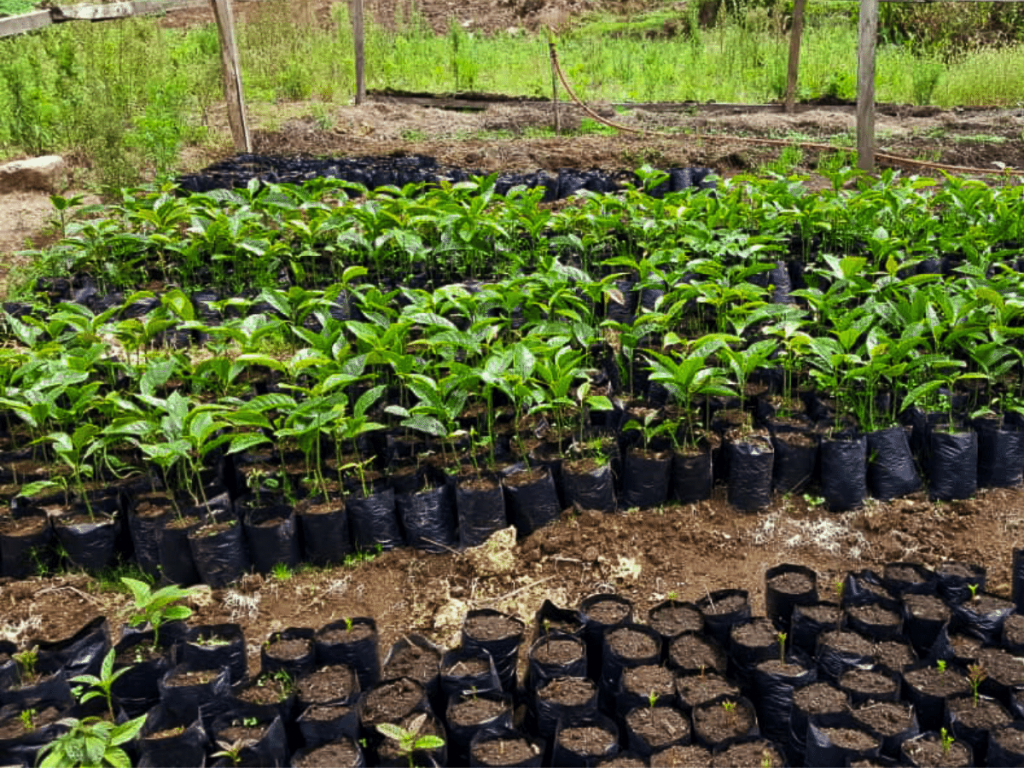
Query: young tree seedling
(157, 608)
(947, 740)
(27, 717)
(782, 646)
(102, 686)
(232, 750)
(91, 741)
(652, 699)
(975, 674)
(409, 740)
(941, 666)
(26, 661)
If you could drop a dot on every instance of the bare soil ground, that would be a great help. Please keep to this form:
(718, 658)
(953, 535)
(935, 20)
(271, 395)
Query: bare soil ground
(688, 550)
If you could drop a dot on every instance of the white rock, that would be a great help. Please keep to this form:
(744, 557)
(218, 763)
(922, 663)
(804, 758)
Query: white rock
(42, 173)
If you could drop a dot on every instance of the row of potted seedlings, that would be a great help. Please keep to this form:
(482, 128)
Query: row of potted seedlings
(909, 666)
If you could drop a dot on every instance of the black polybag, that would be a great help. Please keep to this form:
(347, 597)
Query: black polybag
(460, 736)
(272, 537)
(138, 689)
(985, 625)
(750, 473)
(955, 586)
(844, 473)
(23, 750)
(295, 665)
(773, 692)
(922, 582)
(373, 521)
(504, 650)
(552, 618)
(794, 465)
(23, 554)
(307, 752)
(953, 465)
(671, 618)
(549, 713)
(175, 555)
(429, 519)
(976, 737)
(539, 672)
(645, 479)
(185, 748)
(805, 628)
(418, 647)
(589, 488)
(891, 469)
(864, 684)
(220, 556)
(692, 477)
(481, 513)
(613, 663)
(325, 536)
(997, 754)
(456, 679)
(678, 735)
(875, 622)
(80, 654)
(183, 701)
(361, 653)
(778, 604)
(269, 751)
(532, 505)
(821, 751)
(718, 621)
(891, 743)
(563, 756)
(231, 655)
(833, 661)
(323, 723)
(704, 738)
(485, 735)
(146, 531)
(89, 544)
(53, 688)
(866, 586)
(1000, 458)
(594, 628)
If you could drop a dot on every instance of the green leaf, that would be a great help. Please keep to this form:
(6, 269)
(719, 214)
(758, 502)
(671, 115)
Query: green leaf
(247, 440)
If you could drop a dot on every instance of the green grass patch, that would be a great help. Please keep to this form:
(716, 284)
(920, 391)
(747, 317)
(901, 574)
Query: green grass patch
(15, 7)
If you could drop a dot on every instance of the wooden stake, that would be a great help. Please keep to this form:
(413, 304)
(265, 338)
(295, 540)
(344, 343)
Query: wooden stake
(554, 89)
(867, 35)
(794, 52)
(232, 74)
(357, 41)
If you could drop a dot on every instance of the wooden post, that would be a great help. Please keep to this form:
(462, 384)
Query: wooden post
(554, 89)
(794, 52)
(232, 76)
(357, 41)
(867, 35)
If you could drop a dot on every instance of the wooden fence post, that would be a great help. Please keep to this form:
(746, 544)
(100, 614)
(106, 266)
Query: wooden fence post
(357, 41)
(867, 35)
(794, 52)
(232, 76)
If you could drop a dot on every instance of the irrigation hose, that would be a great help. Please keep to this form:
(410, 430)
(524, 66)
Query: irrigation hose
(891, 159)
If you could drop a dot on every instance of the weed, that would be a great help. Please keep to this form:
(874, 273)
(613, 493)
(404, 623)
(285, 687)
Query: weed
(281, 572)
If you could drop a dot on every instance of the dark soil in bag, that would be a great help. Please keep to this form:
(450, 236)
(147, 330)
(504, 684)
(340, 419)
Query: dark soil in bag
(355, 643)
(468, 670)
(649, 729)
(555, 655)
(551, 618)
(90, 544)
(696, 654)
(894, 722)
(774, 683)
(958, 582)
(168, 741)
(723, 719)
(1006, 744)
(290, 650)
(1000, 458)
(585, 741)
(639, 684)
(866, 684)
(908, 578)
(498, 634)
(672, 618)
(330, 684)
(266, 743)
(694, 689)
(491, 748)
(175, 554)
(344, 752)
(415, 657)
(629, 645)
(807, 622)
(820, 701)
(785, 586)
(927, 688)
(602, 612)
(467, 714)
(874, 621)
(982, 616)
(722, 610)
(971, 720)
(747, 751)
(146, 524)
(212, 646)
(80, 654)
(564, 699)
(324, 723)
(839, 744)
(928, 751)
(183, 689)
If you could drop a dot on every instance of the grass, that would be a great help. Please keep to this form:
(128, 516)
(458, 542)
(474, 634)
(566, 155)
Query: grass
(14, 7)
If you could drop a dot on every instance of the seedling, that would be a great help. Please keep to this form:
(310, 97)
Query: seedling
(652, 699)
(974, 591)
(250, 722)
(782, 646)
(766, 759)
(947, 740)
(409, 740)
(348, 624)
(91, 741)
(730, 711)
(232, 750)
(156, 608)
(281, 571)
(102, 686)
(27, 717)
(672, 596)
(976, 673)
(941, 666)
(26, 661)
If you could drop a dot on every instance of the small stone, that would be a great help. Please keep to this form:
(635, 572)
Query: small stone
(40, 173)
